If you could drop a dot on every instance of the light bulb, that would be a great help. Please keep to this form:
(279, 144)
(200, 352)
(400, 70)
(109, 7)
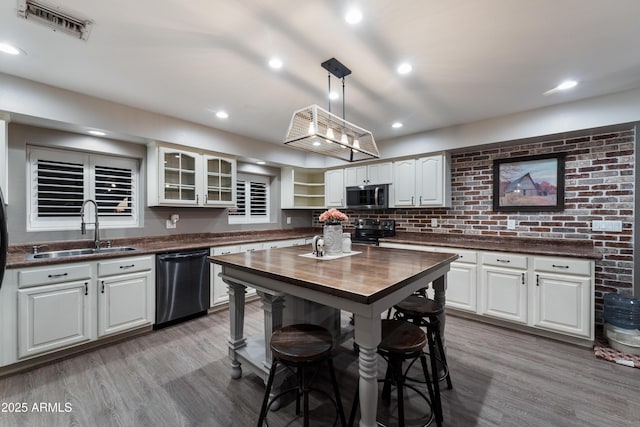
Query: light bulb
(312, 129)
(356, 143)
(330, 134)
(344, 139)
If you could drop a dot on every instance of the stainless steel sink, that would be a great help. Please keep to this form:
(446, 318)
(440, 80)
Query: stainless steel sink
(78, 252)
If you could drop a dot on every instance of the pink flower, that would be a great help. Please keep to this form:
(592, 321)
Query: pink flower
(333, 215)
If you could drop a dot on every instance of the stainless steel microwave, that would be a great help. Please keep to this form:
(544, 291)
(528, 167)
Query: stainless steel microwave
(368, 197)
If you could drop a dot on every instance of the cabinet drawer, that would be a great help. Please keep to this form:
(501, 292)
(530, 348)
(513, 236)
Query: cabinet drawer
(250, 247)
(504, 260)
(53, 274)
(470, 257)
(125, 265)
(563, 265)
(225, 250)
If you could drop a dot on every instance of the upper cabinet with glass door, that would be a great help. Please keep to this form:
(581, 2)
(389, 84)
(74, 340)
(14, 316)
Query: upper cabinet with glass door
(220, 181)
(180, 176)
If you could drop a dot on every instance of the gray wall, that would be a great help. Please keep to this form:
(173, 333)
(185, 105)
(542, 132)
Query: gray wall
(192, 220)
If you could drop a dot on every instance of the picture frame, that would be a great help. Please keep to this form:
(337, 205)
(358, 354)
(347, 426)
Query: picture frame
(529, 183)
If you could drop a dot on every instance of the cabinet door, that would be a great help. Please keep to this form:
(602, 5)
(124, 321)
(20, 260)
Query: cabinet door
(380, 173)
(219, 181)
(404, 183)
(178, 176)
(334, 188)
(429, 181)
(53, 317)
(356, 175)
(219, 293)
(462, 286)
(504, 293)
(562, 303)
(125, 302)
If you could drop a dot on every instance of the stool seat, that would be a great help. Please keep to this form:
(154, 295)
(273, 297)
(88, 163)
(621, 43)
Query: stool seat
(301, 343)
(401, 337)
(301, 347)
(416, 306)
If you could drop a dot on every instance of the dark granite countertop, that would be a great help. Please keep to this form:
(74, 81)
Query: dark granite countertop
(551, 247)
(150, 245)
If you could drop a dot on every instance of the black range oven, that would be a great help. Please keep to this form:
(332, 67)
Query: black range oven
(368, 231)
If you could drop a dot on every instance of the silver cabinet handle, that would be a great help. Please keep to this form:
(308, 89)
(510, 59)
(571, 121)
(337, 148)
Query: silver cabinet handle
(102, 290)
(55, 276)
(124, 267)
(411, 200)
(559, 266)
(503, 260)
(523, 278)
(86, 288)
(420, 201)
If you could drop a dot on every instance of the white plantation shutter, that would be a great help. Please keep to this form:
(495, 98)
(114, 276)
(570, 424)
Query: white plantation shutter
(253, 204)
(61, 180)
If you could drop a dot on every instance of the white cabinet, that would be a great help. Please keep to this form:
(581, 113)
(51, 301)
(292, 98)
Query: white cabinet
(334, 188)
(301, 188)
(376, 173)
(425, 182)
(125, 300)
(404, 183)
(179, 176)
(218, 292)
(462, 280)
(69, 304)
(562, 296)
(504, 286)
(53, 317)
(433, 181)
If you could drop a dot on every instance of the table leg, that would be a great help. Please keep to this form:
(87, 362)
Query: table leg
(236, 319)
(439, 290)
(272, 305)
(368, 335)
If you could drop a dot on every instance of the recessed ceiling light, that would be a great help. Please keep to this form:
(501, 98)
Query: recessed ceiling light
(275, 63)
(567, 84)
(222, 114)
(404, 68)
(397, 125)
(7, 48)
(333, 95)
(353, 16)
(261, 162)
(96, 133)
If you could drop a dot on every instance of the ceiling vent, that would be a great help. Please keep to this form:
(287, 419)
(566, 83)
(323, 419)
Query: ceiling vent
(54, 18)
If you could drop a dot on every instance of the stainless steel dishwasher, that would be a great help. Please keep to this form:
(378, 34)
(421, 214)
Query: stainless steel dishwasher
(182, 286)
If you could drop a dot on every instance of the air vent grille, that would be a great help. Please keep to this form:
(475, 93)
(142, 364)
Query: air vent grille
(54, 18)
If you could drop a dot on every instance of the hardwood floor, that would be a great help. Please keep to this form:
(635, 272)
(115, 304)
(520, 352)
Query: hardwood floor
(180, 376)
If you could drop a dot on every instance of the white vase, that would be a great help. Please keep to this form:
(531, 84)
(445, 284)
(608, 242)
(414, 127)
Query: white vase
(332, 235)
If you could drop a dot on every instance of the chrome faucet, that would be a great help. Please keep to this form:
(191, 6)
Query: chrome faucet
(83, 225)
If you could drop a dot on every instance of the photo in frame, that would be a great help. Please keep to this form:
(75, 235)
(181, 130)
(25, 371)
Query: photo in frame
(529, 184)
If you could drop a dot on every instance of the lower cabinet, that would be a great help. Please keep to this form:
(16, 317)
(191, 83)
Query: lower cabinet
(53, 317)
(545, 293)
(563, 296)
(125, 301)
(112, 296)
(504, 286)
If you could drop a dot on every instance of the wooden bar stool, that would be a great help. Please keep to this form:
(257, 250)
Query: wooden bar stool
(422, 311)
(401, 341)
(301, 347)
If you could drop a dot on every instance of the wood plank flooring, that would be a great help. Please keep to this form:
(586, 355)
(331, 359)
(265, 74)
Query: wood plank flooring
(180, 376)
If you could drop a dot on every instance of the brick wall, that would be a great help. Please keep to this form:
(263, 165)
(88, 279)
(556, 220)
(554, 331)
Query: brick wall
(599, 184)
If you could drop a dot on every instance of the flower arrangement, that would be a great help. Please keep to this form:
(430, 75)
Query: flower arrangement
(333, 216)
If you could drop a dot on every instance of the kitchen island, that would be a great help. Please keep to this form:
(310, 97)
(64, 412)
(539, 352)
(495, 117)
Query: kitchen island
(365, 284)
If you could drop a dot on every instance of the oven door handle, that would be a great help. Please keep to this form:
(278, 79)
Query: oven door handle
(375, 196)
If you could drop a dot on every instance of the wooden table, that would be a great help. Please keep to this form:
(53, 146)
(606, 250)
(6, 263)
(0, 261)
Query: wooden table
(366, 284)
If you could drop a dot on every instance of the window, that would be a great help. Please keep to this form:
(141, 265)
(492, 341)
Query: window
(253, 204)
(61, 180)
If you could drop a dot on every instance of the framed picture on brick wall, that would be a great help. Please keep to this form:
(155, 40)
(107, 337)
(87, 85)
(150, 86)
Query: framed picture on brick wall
(529, 184)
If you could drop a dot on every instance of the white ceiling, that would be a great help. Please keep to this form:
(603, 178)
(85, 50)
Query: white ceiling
(471, 59)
